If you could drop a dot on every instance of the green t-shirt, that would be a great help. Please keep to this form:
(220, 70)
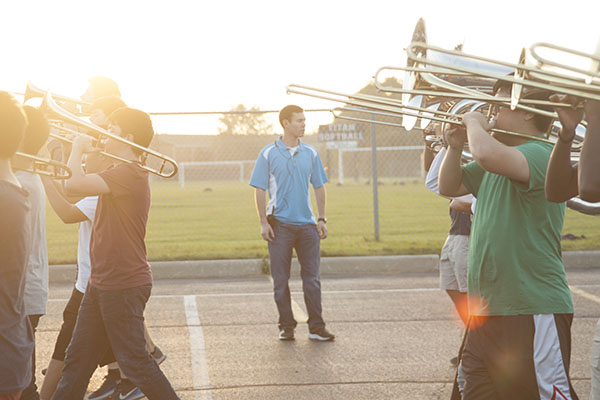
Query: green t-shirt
(515, 259)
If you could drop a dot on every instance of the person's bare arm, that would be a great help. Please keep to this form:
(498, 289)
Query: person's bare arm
(561, 175)
(450, 175)
(66, 211)
(428, 156)
(589, 162)
(260, 199)
(490, 154)
(321, 196)
(460, 206)
(79, 183)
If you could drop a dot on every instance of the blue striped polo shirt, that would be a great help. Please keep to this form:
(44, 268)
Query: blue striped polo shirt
(287, 179)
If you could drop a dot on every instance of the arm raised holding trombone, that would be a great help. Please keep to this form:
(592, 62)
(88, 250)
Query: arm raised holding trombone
(566, 179)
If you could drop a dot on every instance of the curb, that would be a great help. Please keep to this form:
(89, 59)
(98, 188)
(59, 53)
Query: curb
(329, 266)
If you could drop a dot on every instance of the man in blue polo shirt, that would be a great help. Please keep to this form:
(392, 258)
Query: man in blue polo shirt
(286, 168)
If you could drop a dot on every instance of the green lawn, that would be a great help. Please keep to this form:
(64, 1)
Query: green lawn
(218, 220)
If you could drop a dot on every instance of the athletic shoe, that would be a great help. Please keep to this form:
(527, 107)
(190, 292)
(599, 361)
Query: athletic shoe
(286, 334)
(158, 355)
(322, 335)
(108, 387)
(128, 391)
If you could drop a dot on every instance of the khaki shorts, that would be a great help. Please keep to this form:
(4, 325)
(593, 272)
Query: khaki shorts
(453, 263)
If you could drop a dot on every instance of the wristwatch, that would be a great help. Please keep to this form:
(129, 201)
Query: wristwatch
(322, 219)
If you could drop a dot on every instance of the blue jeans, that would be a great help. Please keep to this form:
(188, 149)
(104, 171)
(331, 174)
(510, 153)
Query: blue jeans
(305, 239)
(115, 318)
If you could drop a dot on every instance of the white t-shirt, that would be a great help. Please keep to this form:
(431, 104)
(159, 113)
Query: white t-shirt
(88, 207)
(36, 280)
(431, 181)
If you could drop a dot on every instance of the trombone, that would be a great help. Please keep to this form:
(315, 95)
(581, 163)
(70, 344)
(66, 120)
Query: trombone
(32, 91)
(456, 83)
(590, 74)
(66, 140)
(337, 113)
(58, 117)
(574, 88)
(392, 106)
(439, 87)
(43, 166)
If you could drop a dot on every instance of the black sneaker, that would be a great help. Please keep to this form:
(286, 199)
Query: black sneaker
(128, 391)
(158, 355)
(108, 387)
(286, 334)
(321, 335)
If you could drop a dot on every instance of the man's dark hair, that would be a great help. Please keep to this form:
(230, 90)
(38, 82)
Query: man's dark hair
(134, 122)
(541, 122)
(108, 104)
(102, 86)
(287, 111)
(37, 131)
(12, 125)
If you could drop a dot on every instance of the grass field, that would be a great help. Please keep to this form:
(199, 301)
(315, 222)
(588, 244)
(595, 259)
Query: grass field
(217, 220)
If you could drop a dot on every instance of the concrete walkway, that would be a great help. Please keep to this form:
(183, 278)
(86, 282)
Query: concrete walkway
(329, 266)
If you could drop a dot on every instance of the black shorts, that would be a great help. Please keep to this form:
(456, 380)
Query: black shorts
(518, 357)
(68, 325)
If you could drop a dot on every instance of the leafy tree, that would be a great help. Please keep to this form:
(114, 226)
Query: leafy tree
(244, 121)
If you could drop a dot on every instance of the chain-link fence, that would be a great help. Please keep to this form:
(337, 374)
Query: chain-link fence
(207, 209)
(345, 149)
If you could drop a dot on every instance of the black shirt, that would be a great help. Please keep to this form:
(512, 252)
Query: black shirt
(460, 223)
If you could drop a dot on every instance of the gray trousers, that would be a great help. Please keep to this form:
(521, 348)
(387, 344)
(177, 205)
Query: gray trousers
(305, 239)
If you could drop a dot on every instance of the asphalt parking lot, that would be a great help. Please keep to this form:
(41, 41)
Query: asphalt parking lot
(395, 335)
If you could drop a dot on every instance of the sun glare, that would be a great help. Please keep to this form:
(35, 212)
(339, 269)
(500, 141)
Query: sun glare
(202, 56)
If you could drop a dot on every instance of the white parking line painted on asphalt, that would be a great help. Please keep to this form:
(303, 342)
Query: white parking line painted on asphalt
(585, 294)
(200, 378)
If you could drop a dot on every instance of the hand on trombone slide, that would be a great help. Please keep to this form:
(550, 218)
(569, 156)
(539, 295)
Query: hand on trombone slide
(569, 117)
(84, 144)
(477, 118)
(454, 135)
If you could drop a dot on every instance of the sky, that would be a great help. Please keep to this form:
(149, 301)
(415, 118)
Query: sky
(213, 55)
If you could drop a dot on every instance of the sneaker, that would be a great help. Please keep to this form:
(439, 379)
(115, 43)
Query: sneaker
(322, 335)
(108, 387)
(128, 391)
(286, 334)
(158, 355)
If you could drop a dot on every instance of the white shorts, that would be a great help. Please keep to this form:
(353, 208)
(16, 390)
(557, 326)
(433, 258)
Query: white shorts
(453, 263)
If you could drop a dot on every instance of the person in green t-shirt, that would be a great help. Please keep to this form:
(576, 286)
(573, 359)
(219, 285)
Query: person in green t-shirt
(518, 343)
(565, 180)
